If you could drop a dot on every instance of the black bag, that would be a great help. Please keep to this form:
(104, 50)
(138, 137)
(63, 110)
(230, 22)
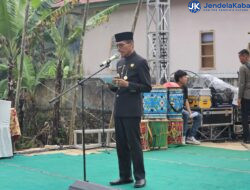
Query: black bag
(221, 98)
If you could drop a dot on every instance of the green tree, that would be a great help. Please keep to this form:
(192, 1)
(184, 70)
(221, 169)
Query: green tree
(62, 41)
(94, 21)
(12, 22)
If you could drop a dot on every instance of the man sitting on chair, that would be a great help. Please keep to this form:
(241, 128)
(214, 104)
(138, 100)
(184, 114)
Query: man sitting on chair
(181, 79)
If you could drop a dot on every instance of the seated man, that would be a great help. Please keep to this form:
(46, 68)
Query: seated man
(181, 79)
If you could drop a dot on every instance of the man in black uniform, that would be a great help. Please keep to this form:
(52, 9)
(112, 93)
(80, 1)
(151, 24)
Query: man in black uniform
(133, 79)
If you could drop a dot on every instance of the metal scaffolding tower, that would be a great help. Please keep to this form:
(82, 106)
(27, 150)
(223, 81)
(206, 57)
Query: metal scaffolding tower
(158, 18)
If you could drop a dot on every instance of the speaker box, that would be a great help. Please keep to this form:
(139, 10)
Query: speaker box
(82, 185)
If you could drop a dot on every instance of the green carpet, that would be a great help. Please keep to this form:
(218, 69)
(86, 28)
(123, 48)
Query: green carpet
(178, 168)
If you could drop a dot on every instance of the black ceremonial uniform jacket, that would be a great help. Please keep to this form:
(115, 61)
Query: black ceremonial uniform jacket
(135, 70)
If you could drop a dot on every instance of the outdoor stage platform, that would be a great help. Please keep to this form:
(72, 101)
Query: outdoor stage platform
(178, 168)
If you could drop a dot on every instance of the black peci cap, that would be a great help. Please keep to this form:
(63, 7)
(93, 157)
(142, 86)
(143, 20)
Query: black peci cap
(124, 36)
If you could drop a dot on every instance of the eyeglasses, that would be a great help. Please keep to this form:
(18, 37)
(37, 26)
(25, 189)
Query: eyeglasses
(121, 45)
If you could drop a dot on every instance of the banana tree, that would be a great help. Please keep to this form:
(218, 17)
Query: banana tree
(20, 69)
(31, 77)
(11, 24)
(30, 82)
(12, 16)
(53, 15)
(88, 24)
(3, 89)
(62, 41)
(4, 82)
(42, 16)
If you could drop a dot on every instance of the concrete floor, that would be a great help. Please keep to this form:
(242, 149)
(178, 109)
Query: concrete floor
(227, 145)
(38, 151)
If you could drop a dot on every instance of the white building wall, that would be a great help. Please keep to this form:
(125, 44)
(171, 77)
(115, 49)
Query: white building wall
(98, 41)
(230, 30)
(231, 35)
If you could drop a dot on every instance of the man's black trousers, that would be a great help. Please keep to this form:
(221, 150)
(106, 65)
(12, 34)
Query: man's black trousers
(129, 148)
(245, 110)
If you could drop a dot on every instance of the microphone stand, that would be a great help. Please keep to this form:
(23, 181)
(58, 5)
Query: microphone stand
(79, 184)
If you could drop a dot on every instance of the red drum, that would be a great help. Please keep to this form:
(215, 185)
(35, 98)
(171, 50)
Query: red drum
(175, 131)
(144, 135)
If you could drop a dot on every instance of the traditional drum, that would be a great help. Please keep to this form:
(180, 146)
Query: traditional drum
(175, 131)
(144, 135)
(175, 103)
(158, 133)
(155, 103)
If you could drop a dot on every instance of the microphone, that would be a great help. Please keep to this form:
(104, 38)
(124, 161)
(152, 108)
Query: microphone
(108, 61)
